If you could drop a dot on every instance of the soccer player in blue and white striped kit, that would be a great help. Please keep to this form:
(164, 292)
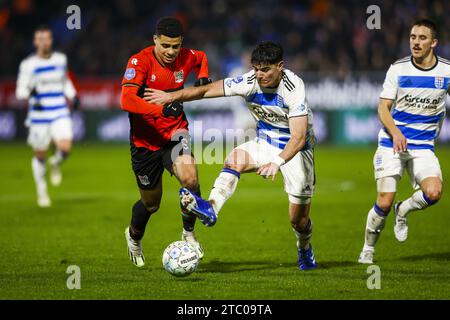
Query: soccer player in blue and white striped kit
(412, 110)
(43, 80)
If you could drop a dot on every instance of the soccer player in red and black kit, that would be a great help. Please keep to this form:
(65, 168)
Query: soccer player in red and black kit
(159, 134)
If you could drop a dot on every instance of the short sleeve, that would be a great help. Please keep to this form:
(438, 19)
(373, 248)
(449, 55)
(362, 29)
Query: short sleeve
(136, 71)
(240, 85)
(390, 85)
(296, 101)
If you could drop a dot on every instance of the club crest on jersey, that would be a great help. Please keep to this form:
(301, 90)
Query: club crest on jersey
(153, 78)
(130, 73)
(179, 76)
(238, 79)
(439, 82)
(144, 180)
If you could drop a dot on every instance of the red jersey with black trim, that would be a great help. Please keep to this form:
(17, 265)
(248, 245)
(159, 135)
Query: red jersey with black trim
(151, 129)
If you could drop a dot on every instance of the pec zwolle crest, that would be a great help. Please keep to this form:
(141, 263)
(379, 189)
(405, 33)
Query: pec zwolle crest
(179, 76)
(439, 82)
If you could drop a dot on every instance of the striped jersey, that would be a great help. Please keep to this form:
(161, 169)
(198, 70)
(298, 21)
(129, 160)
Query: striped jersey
(44, 82)
(419, 96)
(272, 107)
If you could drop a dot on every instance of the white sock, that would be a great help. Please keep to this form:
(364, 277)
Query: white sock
(38, 168)
(223, 189)
(417, 201)
(304, 238)
(374, 226)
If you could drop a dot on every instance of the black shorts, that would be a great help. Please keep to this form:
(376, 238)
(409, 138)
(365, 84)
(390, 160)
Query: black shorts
(148, 165)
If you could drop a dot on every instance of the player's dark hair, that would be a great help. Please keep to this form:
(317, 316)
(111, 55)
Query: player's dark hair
(42, 27)
(267, 52)
(170, 27)
(430, 25)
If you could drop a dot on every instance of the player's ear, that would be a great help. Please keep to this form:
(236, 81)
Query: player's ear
(280, 65)
(155, 38)
(434, 43)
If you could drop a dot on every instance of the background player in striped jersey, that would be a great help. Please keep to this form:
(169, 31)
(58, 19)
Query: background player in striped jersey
(285, 139)
(159, 136)
(44, 81)
(411, 109)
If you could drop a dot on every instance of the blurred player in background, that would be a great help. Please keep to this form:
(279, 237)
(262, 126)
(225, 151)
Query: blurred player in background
(159, 134)
(43, 80)
(411, 109)
(285, 139)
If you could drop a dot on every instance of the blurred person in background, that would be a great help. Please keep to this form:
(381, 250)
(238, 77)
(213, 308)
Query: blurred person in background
(43, 80)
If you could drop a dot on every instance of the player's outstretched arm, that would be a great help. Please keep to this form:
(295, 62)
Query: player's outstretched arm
(130, 102)
(384, 113)
(212, 90)
(298, 127)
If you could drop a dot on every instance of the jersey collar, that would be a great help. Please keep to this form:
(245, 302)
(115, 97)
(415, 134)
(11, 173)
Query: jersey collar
(422, 69)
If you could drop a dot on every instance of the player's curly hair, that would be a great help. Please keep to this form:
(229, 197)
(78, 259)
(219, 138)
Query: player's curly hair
(267, 52)
(170, 27)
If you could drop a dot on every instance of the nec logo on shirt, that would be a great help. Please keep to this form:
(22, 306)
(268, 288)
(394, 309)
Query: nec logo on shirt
(179, 76)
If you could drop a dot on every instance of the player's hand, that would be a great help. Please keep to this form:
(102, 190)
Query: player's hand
(157, 96)
(202, 82)
(399, 142)
(269, 170)
(174, 109)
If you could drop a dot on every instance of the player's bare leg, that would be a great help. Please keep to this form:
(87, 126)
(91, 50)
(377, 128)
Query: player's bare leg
(376, 220)
(141, 212)
(63, 148)
(38, 167)
(185, 169)
(429, 193)
(301, 223)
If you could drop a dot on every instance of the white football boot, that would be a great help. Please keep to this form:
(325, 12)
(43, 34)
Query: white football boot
(135, 251)
(190, 238)
(401, 225)
(43, 200)
(55, 172)
(366, 256)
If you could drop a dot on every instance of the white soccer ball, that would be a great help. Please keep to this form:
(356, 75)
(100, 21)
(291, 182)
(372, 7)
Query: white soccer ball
(180, 259)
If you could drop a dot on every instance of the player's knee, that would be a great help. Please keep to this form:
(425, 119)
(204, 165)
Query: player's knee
(234, 166)
(385, 201)
(299, 224)
(151, 206)
(433, 195)
(190, 182)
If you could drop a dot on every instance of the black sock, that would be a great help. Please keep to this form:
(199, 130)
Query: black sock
(139, 219)
(188, 218)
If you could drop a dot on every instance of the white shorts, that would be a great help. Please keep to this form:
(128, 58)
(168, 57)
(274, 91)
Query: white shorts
(298, 173)
(419, 164)
(41, 134)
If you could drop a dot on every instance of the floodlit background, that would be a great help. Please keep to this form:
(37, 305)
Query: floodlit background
(326, 42)
(251, 252)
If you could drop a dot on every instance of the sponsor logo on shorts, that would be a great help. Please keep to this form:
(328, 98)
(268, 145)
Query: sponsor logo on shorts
(378, 160)
(144, 180)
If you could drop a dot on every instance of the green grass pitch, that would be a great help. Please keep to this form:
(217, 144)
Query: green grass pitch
(249, 254)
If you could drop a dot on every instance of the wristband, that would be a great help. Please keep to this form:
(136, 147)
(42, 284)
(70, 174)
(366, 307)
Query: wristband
(279, 161)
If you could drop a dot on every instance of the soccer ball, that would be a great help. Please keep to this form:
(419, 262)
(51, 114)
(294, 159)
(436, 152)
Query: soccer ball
(180, 259)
